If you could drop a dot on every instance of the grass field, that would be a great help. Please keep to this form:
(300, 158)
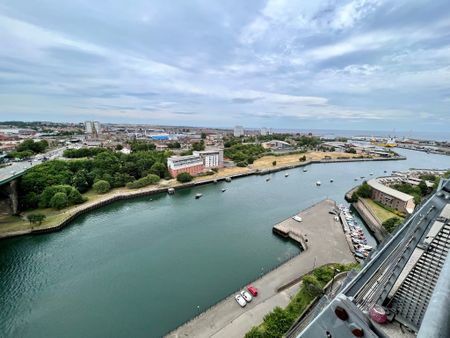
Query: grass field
(382, 213)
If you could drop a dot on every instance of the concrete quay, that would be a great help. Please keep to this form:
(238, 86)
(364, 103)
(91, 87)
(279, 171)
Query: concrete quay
(324, 242)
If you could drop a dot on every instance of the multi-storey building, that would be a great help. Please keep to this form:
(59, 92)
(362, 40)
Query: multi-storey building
(92, 128)
(391, 198)
(192, 164)
(238, 131)
(211, 158)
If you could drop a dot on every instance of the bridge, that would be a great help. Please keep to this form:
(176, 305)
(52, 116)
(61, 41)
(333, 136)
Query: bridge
(10, 174)
(409, 271)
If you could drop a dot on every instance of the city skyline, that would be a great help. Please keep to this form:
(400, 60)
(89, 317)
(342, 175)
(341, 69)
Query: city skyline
(369, 65)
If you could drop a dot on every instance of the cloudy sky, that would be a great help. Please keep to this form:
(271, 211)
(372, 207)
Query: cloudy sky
(362, 64)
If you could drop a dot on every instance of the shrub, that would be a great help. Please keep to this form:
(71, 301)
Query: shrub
(391, 223)
(59, 201)
(75, 197)
(101, 186)
(49, 192)
(302, 159)
(36, 218)
(143, 182)
(278, 322)
(184, 177)
(274, 163)
(255, 333)
(30, 201)
(242, 164)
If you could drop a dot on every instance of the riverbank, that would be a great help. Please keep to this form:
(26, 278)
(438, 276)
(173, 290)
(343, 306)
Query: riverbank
(59, 219)
(326, 244)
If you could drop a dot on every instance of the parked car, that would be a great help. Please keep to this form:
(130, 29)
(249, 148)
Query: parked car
(246, 296)
(240, 300)
(252, 290)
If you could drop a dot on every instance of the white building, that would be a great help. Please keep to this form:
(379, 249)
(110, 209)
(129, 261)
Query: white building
(264, 132)
(238, 131)
(211, 158)
(276, 145)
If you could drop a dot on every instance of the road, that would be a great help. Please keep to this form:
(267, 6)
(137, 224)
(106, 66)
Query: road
(18, 167)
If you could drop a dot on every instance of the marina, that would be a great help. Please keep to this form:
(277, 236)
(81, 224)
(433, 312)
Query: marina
(322, 241)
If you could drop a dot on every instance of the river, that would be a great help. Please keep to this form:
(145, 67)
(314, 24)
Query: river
(142, 267)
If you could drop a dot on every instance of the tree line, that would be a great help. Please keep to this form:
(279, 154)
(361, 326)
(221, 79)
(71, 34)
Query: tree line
(28, 148)
(60, 183)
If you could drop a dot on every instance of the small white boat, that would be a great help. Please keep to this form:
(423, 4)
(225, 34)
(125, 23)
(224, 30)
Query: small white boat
(197, 196)
(371, 174)
(267, 179)
(305, 170)
(286, 175)
(223, 190)
(171, 191)
(318, 183)
(297, 218)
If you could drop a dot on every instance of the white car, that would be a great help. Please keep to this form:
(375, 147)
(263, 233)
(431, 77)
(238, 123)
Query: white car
(297, 218)
(246, 295)
(241, 301)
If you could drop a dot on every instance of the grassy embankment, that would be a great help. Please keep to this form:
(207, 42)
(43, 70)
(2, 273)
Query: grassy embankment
(10, 224)
(381, 213)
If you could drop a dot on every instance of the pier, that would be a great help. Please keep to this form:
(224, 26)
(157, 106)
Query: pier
(323, 242)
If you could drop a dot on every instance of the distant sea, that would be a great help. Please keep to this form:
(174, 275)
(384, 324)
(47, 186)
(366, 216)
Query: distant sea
(420, 135)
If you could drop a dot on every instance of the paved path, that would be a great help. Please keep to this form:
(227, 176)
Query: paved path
(326, 244)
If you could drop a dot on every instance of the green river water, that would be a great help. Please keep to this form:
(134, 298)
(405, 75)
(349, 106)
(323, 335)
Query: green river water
(140, 268)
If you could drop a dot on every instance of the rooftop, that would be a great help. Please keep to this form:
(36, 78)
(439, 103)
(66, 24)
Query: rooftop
(389, 191)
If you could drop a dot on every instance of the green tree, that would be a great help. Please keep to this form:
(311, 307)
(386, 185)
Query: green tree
(75, 197)
(59, 201)
(198, 146)
(81, 181)
(184, 177)
(30, 201)
(242, 164)
(302, 158)
(254, 333)
(391, 223)
(364, 190)
(278, 322)
(174, 145)
(101, 186)
(143, 182)
(274, 163)
(423, 188)
(159, 169)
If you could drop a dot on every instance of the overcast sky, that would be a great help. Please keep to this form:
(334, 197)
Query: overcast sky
(363, 64)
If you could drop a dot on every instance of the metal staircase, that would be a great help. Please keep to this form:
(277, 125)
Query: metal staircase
(411, 300)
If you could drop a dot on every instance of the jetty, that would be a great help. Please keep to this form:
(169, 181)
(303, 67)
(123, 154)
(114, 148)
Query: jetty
(322, 240)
